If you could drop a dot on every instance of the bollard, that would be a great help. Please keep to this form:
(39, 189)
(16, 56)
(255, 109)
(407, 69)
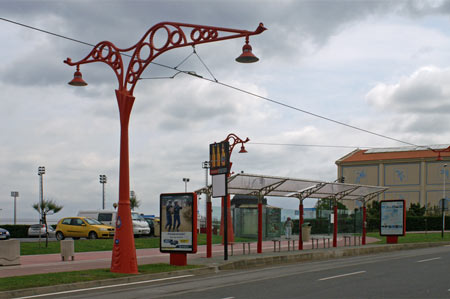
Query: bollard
(9, 252)
(67, 250)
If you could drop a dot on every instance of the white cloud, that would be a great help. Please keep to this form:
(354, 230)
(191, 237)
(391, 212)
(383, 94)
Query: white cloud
(424, 91)
(321, 56)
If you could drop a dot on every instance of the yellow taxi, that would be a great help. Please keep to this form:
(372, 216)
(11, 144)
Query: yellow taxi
(82, 227)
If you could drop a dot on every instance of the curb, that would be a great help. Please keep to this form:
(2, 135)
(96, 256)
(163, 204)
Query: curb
(322, 255)
(245, 263)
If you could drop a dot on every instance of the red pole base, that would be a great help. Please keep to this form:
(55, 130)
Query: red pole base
(392, 239)
(178, 259)
(335, 226)
(229, 221)
(259, 249)
(208, 229)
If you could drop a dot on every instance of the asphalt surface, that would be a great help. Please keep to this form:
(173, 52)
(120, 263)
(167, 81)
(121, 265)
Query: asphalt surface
(418, 273)
(213, 267)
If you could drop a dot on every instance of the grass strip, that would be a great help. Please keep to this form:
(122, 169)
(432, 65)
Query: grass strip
(414, 238)
(50, 279)
(30, 248)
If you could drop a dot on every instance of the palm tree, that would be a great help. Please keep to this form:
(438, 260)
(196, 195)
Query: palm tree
(134, 202)
(48, 207)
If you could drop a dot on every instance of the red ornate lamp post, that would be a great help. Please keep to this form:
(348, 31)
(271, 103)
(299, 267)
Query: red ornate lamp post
(233, 140)
(144, 52)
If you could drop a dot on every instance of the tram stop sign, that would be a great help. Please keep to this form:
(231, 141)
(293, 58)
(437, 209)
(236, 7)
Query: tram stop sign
(219, 157)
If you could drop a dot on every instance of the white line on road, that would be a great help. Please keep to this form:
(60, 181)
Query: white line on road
(105, 287)
(427, 260)
(342, 275)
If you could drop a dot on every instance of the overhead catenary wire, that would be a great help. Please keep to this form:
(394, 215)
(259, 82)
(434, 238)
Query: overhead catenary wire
(225, 85)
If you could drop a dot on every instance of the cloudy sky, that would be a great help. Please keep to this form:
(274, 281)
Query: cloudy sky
(383, 66)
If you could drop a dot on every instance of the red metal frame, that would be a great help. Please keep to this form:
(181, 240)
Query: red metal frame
(143, 53)
(335, 224)
(259, 226)
(300, 224)
(439, 158)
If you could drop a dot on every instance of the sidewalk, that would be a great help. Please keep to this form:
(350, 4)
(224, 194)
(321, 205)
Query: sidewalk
(51, 263)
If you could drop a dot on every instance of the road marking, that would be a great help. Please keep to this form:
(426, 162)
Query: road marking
(343, 275)
(427, 260)
(105, 287)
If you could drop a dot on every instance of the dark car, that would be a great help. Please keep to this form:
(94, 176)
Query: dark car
(4, 234)
(151, 225)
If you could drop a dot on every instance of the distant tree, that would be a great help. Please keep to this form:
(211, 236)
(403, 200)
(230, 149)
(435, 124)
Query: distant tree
(373, 209)
(134, 202)
(416, 210)
(48, 207)
(328, 204)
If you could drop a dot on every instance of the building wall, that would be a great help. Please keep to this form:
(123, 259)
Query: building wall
(415, 180)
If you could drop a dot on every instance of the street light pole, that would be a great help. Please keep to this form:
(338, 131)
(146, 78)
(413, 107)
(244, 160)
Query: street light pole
(103, 180)
(41, 172)
(142, 54)
(185, 180)
(226, 224)
(206, 165)
(15, 194)
(443, 199)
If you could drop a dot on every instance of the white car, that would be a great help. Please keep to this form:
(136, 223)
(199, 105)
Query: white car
(140, 226)
(36, 229)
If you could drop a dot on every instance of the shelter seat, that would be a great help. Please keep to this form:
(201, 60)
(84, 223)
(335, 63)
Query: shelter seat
(289, 244)
(349, 238)
(243, 247)
(275, 241)
(316, 239)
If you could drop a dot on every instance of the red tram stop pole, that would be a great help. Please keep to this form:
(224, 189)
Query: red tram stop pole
(141, 55)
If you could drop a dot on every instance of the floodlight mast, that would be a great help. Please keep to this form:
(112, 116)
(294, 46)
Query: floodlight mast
(143, 53)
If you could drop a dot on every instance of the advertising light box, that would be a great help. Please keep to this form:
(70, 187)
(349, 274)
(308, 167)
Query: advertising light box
(178, 212)
(392, 217)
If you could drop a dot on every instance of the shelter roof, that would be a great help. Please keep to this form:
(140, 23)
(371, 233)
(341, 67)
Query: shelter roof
(244, 183)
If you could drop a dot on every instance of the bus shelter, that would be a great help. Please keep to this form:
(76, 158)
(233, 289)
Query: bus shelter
(262, 186)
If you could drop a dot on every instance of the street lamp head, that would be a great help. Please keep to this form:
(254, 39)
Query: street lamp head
(243, 150)
(77, 78)
(247, 56)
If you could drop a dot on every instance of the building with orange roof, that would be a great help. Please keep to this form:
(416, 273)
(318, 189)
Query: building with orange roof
(416, 174)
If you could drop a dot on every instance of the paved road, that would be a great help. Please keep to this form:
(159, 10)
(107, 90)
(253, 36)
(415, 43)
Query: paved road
(420, 273)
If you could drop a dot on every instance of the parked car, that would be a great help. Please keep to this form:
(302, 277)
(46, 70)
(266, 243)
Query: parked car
(82, 227)
(153, 223)
(36, 229)
(4, 234)
(140, 226)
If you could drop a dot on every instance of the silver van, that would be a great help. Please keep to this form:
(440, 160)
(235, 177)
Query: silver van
(140, 226)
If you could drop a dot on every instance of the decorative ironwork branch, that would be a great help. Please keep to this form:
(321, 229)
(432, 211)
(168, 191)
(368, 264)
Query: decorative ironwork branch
(146, 50)
(233, 140)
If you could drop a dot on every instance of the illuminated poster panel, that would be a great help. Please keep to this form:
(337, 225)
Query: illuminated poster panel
(178, 213)
(392, 217)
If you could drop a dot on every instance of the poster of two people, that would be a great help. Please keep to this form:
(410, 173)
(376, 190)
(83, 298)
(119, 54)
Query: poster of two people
(178, 217)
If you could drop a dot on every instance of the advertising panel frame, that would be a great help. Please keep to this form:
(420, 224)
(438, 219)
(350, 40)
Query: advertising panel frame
(219, 157)
(174, 237)
(394, 218)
